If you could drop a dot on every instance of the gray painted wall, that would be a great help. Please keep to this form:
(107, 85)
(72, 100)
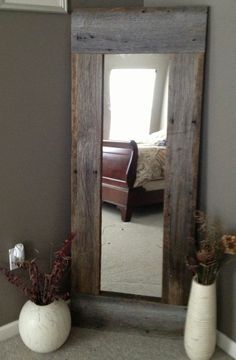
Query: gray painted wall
(104, 3)
(34, 139)
(218, 160)
(35, 135)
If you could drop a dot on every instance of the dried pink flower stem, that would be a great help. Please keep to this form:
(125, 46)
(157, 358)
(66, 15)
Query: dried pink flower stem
(45, 288)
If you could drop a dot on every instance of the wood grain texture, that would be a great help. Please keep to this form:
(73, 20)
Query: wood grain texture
(184, 120)
(74, 140)
(117, 312)
(139, 30)
(87, 87)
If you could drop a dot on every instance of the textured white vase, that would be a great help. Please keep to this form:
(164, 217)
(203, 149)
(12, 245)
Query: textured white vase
(44, 328)
(200, 326)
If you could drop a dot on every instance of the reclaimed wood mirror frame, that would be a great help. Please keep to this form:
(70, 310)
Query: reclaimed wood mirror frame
(180, 32)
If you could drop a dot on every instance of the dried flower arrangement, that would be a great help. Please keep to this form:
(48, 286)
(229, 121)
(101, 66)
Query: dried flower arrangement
(44, 288)
(212, 250)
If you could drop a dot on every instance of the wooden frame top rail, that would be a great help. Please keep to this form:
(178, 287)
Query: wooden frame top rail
(139, 30)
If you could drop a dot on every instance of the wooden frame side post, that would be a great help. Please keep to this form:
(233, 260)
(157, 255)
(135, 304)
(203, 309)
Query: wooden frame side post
(184, 122)
(87, 88)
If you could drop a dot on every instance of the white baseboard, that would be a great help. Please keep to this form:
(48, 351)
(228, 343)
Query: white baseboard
(9, 330)
(226, 344)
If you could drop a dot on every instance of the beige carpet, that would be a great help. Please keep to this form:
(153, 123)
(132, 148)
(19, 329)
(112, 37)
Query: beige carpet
(97, 344)
(132, 251)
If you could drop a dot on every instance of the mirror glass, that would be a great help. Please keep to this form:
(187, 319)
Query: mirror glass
(134, 149)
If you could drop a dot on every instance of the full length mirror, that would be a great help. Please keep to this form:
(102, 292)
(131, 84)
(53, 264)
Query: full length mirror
(97, 35)
(134, 152)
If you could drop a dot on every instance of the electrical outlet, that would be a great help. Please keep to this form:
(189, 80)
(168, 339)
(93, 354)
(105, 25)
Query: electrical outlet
(12, 260)
(16, 254)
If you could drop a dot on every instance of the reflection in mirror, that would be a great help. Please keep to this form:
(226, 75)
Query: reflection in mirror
(134, 149)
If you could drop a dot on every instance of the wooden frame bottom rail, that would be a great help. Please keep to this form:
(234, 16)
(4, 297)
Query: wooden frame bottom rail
(115, 311)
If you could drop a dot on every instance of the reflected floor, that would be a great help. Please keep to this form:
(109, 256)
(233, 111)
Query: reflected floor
(132, 251)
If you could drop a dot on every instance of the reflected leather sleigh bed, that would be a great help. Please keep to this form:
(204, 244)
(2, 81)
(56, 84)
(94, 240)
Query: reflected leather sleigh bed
(121, 182)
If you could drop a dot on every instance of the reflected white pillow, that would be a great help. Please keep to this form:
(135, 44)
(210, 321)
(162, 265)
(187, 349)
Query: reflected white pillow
(154, 138)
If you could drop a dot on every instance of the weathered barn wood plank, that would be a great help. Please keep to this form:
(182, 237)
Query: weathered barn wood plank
(87, 85)
(184, 120)
(117, 312)
(139, 30)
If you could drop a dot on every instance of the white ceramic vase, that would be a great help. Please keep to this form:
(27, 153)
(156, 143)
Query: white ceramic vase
(44, 328)
(200, 326)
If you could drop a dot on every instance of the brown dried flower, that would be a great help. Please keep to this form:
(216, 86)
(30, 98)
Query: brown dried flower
(228, 244)
(212, 246)
(205, 256)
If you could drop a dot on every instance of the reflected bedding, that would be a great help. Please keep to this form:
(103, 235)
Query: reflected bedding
(151, 164)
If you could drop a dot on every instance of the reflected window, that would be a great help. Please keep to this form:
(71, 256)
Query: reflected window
(131, 99)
